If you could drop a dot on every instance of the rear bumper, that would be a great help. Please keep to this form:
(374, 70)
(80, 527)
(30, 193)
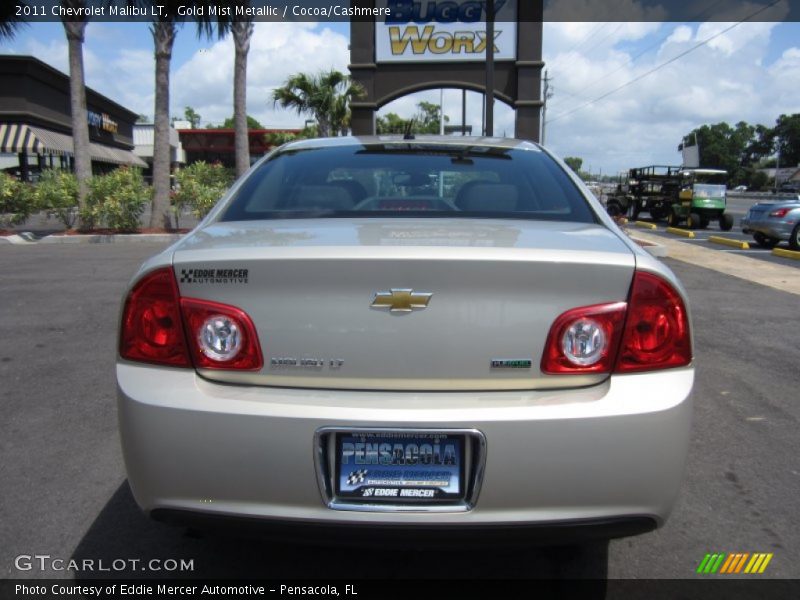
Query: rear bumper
(567, 532)
(557, 458)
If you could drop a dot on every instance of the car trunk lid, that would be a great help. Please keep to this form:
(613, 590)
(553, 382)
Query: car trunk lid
(479, 297)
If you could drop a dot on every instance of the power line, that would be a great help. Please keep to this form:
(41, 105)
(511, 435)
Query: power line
(630, 61)
(662, 65)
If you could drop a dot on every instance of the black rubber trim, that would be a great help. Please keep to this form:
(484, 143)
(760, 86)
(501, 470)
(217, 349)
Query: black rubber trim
(562, 532)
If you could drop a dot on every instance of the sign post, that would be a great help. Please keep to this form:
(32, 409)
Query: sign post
(428, 44)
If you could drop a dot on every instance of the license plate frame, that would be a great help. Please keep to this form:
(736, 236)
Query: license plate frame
(448, 480)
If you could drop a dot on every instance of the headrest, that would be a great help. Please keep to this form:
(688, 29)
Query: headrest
(321, 197)
(488, 197)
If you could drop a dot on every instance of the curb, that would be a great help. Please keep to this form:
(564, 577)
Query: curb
(17, 240)
(793, 254)
(114, 238)
(645, 224)
(729, 242)
(654, 248)
(683, 232)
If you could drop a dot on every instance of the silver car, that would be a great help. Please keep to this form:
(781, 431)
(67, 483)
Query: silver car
(774, 222)
(445, 334)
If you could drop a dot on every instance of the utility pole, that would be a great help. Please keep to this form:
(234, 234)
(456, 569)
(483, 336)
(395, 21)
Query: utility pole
(489, 68)
(548, 93)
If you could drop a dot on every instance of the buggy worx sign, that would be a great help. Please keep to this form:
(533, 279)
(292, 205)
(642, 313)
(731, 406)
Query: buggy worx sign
(444, 31)
(409, 46)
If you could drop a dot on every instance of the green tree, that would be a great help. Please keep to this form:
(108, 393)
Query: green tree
(787, 139)
(425, 120)
(192, 116)
(574, 163)
(252, 123)
(326, 96)
(390, 123)
(10, 23)
(428, 118)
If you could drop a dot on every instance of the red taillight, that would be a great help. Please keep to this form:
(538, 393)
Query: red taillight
(650, 332)
(657, 332)
(584, 340)
(779, 212)
(151, 322)
(221, 336)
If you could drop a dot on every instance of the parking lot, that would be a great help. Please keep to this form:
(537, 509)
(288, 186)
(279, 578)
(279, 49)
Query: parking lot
(738, 205)
(63, 482)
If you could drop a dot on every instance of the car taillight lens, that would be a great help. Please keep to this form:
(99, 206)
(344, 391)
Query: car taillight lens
(151, 322)
(223, 337)
(780, 212)
(584, 340)
(649, 332)
(155, 317)
(657, 334)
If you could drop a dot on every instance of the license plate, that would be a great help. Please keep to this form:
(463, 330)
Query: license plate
(400, 468)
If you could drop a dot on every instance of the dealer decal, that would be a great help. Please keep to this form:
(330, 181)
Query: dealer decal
(217, 276)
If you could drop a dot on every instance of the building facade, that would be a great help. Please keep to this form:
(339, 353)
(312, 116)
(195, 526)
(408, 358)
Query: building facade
(36, 122)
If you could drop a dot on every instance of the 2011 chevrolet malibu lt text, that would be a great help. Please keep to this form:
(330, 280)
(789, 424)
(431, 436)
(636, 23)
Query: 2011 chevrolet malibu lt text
(442, 333)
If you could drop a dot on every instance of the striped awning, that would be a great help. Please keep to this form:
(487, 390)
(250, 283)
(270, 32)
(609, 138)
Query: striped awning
(18, 137)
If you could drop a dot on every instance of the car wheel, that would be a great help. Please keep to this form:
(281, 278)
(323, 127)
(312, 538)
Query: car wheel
(764, 241)
(794, 239)
(725, 222)
(694, 221)
(614, 209)
(673, 220)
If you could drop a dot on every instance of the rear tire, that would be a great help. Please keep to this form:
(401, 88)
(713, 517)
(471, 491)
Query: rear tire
(794, 239)
(673, 220)
(765, 241)
(694, 221)
(614, 209)
(725, 222)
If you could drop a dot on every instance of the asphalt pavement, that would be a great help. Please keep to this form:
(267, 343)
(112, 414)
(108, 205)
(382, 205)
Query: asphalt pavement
(64, 492)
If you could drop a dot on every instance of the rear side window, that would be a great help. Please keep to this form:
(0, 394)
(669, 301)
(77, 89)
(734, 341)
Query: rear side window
(407, 179)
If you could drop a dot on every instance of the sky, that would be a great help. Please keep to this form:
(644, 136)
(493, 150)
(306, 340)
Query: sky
(749, 73)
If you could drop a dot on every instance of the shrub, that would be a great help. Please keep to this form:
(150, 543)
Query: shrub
(57, 193)
(200, 186)
(116, 200)
(16, 201)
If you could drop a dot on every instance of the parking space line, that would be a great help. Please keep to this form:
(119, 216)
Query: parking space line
(786, 253)
(716, 239)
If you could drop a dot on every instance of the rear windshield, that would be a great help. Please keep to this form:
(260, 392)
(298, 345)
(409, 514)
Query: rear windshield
(385, 180)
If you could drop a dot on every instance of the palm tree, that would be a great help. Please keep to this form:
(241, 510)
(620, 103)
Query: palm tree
(242, 32)
(164, 33)
(326, 95)
(10, 23)
(75, 29)
(164, 30)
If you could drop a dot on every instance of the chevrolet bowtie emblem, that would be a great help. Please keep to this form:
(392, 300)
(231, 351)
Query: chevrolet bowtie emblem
(401, 300)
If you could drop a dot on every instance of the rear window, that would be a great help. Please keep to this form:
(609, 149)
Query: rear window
(407, 179)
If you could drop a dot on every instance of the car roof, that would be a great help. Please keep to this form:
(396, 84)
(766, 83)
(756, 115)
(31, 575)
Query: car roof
(416, 141)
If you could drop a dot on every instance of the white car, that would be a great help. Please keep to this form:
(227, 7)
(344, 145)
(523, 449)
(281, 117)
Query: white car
(381, 335)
